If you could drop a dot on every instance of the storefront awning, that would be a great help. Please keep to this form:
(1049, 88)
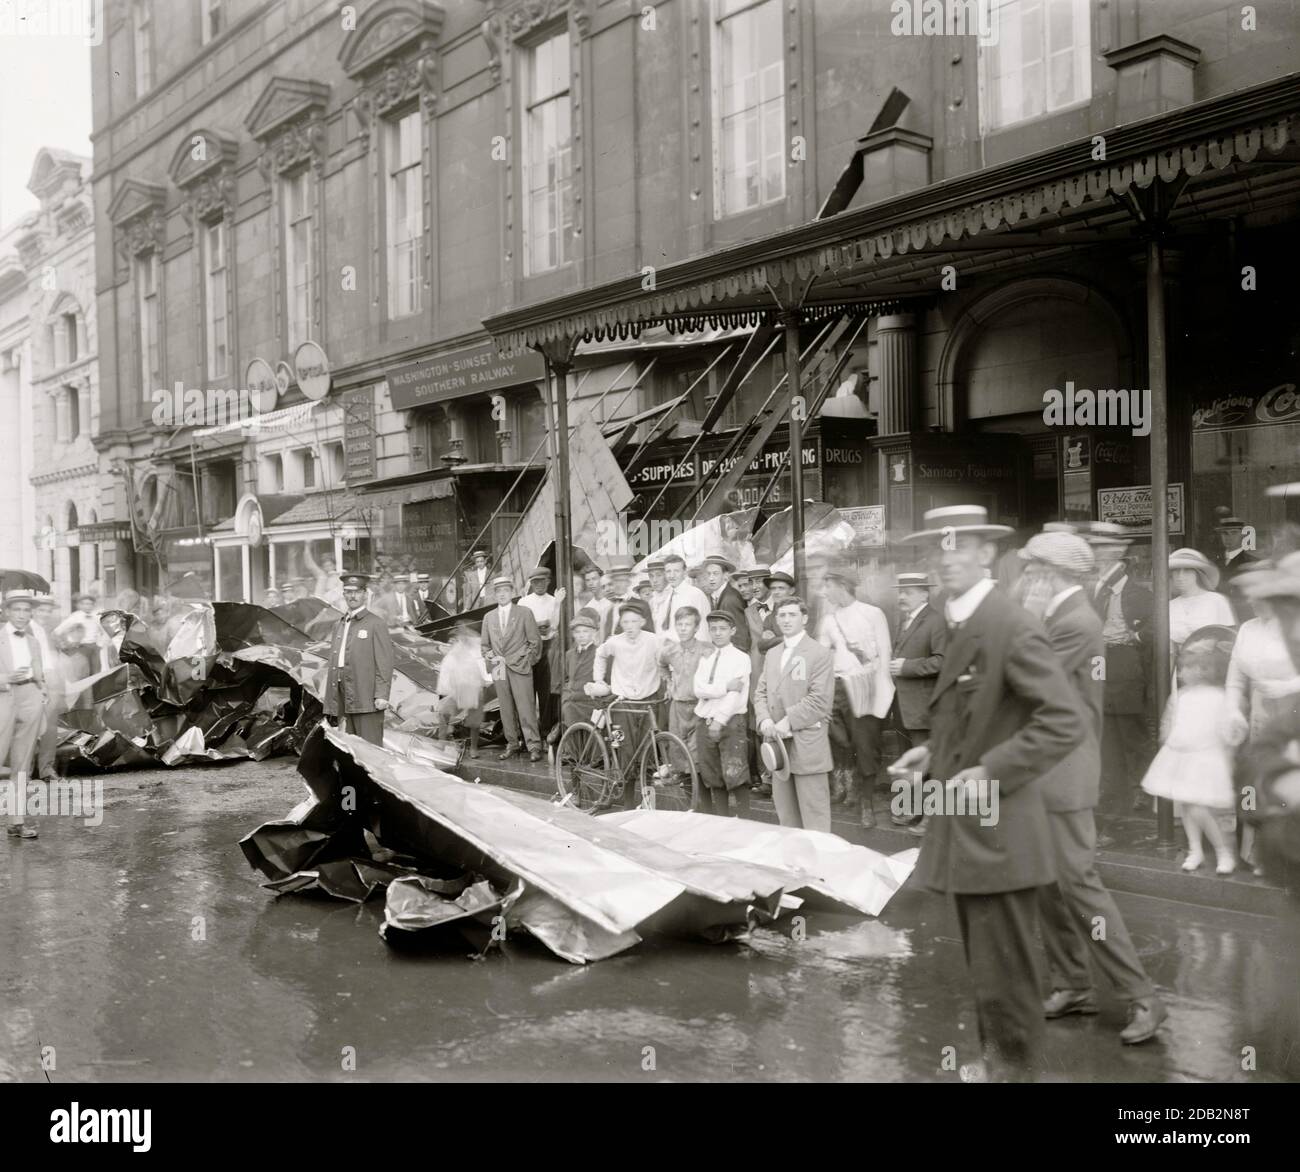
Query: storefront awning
(1234, 151)
(385, 496)
(281, 419)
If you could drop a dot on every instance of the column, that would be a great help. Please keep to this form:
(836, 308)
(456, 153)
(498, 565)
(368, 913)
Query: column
(896, 361)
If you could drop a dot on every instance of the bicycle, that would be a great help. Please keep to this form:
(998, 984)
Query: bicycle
(594, 779)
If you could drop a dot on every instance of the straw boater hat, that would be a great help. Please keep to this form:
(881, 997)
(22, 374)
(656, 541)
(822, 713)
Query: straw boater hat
(1277, 581)
(478, 553)
(775, 758)
(759, 572)
(1192, 559)
(1062, 551)
(716, 559)
(967, 520)
(503, 580)
(27, 596)
(76, 598)
(911, 578)
(1230, 523)
(1105, 533)
(654, 564)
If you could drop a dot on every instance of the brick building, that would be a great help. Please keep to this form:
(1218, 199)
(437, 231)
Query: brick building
(275, 175)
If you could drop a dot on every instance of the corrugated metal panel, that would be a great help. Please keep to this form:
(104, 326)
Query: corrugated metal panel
(598, 495)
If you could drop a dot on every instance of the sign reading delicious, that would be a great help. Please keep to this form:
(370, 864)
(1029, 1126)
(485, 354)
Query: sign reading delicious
(463, 372)
(1280, 404)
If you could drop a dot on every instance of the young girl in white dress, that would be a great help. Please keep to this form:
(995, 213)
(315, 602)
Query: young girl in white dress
(1194, 765)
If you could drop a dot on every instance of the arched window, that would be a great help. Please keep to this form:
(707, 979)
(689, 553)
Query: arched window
(74, 551)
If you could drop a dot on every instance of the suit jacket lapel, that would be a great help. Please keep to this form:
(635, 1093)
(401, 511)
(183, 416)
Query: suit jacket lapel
(961, 651)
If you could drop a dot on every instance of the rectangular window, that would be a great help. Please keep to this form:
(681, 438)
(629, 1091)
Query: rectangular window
(548, 161)
(211, 18)
(273, 473)
(214, 291)
(146, 284)
(405, 214)
(1039, 62)
(142, 38)
(748, 105)
(74, 412)
(298, 245)
(308, 468)
(70, 325)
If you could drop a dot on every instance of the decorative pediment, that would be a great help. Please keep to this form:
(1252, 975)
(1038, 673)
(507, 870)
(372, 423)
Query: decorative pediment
(198, 154)
(287, 121)
(30, 245)
(52, 170)
(135, 198)
(387, 31)
(525, 15)
(285, 101)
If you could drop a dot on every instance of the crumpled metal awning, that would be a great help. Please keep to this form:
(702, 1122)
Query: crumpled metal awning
(281, 419)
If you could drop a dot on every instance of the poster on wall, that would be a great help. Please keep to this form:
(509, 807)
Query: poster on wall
(1131, 507)
(868, 523)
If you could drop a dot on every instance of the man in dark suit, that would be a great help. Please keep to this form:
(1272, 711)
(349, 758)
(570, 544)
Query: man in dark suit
(22, 702)
(1126, 612)
(918, 656)
(477, 590)
(724, 596)
(1002, 714)
(360, 666)
(512, 646)
(1236, 557)
(1073, 907)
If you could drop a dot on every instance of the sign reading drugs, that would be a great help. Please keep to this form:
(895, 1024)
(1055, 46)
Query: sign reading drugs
(1131, 507)
(475, 369)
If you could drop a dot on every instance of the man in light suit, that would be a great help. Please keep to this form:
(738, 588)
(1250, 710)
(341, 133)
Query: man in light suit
(360, 672)
(793, 701)
(1078, 901)
(512, 646)
(1001, 716)
(22, 702)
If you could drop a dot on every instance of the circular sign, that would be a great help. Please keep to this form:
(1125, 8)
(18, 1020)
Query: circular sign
(263, 390)
(313, 370)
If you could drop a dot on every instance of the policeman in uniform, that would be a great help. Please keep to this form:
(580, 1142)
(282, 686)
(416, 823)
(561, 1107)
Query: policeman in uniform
(360, 665)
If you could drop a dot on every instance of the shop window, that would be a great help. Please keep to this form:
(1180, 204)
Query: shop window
(405, 196)
(1039, 62)
(748, 105)
(548, 158)
(230, 573)
(312, 560)
(1232, 467)
(530, 426)
(220, 491)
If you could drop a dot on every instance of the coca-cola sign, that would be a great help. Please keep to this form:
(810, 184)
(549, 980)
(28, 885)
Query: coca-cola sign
(1280, 404)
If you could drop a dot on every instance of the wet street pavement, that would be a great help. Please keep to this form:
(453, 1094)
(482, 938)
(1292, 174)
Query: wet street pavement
(144, 949)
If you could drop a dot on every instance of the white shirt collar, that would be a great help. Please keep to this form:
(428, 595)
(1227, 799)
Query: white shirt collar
(911, 614)
(959, 609)
(1057, 599)
(792, 641)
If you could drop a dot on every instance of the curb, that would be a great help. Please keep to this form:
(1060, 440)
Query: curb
(1136, 874)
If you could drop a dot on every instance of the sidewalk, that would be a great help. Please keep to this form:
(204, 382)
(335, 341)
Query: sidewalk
(1132, 862)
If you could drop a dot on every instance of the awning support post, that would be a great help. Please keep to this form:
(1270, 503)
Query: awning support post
(1157, 378)
(797, 414)
(558, 365)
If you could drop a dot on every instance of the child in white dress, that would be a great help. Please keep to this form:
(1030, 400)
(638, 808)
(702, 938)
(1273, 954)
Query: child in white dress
(1194, 765)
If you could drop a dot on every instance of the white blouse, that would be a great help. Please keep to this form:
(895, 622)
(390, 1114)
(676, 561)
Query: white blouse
(1188, 613)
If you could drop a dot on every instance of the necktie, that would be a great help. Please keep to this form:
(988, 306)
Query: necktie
(668, 610)
(714, 669)
(20, 634)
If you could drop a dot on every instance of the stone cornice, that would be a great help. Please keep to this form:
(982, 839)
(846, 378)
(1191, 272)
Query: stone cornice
(287, 121)
(62, 474)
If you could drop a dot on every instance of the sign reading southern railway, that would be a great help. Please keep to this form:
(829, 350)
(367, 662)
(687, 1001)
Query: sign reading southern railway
(462, 372)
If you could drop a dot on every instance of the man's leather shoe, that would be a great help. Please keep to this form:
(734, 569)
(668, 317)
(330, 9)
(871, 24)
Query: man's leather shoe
(23, 831)
(510, 751)
(837, 787)
(868, 818)
(1063, 1001)
(1144, 1019)
(534, 755)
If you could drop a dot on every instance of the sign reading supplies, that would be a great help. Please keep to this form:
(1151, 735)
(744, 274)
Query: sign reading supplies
(1132, 507)
(462, 372)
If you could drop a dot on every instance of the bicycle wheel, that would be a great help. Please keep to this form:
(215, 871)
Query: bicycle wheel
(582, 767)
(668, 776)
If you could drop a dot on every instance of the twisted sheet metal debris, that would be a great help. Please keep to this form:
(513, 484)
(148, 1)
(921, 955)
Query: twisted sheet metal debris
(587, 888)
